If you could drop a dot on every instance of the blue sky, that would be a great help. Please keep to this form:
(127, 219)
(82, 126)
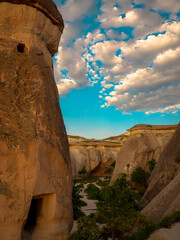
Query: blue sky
(118, 65)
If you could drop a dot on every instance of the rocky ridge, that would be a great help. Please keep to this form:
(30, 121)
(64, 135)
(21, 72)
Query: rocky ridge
(162, 196)
(144, 143)
(95, 155)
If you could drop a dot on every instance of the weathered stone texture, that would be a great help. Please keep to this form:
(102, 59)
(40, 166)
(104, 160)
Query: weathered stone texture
(95, 155)
(167, 234)
(166, 169)
(34, 151)
(162, 196)
(141, 146)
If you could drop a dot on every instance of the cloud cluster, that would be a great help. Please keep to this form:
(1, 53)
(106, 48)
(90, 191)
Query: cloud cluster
(74, 9)
(142, 70)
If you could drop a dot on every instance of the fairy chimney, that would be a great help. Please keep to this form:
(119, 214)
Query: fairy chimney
(35, 171)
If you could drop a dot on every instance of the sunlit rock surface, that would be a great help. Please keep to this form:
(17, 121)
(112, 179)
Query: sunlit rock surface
(35, 171)
(95, 155)
(144, 143)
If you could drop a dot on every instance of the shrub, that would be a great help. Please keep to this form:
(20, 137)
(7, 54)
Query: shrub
(177, 159)
(144, 233)
(113, 164)
(140, 176)
(104, 182)
(117, 209)
(169, 220)
(83, 171)
(152, 164)
(87, 229)
(109, 170)
(92, 192)
(77, 202)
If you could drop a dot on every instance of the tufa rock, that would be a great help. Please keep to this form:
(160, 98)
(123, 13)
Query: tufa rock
(166, 202)
(162, 196)
(166, 169)
(35, 170)
(95, 155)
(167, 234)
(144, 143)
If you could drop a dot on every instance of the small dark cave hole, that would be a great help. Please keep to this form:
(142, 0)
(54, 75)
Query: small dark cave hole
(34, 213)
(21, 47)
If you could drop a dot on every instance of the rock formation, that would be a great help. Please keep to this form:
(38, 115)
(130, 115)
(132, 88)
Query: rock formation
(167, 234)
(95, 155)
(163, 190)
(144, 143)
(35, 179)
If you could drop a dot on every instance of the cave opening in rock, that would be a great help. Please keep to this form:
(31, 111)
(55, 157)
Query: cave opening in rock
(21, 47)
(34, 213)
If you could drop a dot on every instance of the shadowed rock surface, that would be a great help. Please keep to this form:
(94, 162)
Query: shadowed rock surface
(162, 196)
(167, 234)
(166, 169)
(144, 143)
(35, 170)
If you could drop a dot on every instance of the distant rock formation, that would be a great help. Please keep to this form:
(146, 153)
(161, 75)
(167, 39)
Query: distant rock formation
(144, 143)
(35, 170)
(96, 156)
(163, 190)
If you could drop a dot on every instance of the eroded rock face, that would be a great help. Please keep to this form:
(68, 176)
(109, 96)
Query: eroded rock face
(95, 155)
(166, 202)
(35, 171)
(166, 169)
(162, 196)
(167, 234)
(143, 144)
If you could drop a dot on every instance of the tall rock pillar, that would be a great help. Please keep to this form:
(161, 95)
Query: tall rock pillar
(35, 171)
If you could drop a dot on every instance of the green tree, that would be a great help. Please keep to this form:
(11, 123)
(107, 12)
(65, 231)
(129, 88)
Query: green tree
(140, 176)
(77, 202)
(151, 164)
(87, 229)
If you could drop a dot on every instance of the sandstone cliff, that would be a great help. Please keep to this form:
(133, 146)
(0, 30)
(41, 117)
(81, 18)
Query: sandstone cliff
(163, 190)
(95, 155)
(35, 179)
(144, 143)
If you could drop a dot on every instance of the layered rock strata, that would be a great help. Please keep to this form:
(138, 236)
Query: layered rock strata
(96, 156)
(35, 170)
(144, 143)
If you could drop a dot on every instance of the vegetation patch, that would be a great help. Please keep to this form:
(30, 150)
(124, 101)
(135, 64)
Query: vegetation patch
(177, 160)
(140, 176)
(118, 214)
(77, 202)
(152, 164)
(83, 171)
(92, 192)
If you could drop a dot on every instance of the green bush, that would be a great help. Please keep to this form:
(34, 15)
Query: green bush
(144, 232)
(83, 171)
(152, 164)
(77, 202)
(87, 229)
(117, 209)
(92, 192)
(140, 176)
(169, 220)
(104, 182)
(177, 160)
(113, 164)
(109, 170)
